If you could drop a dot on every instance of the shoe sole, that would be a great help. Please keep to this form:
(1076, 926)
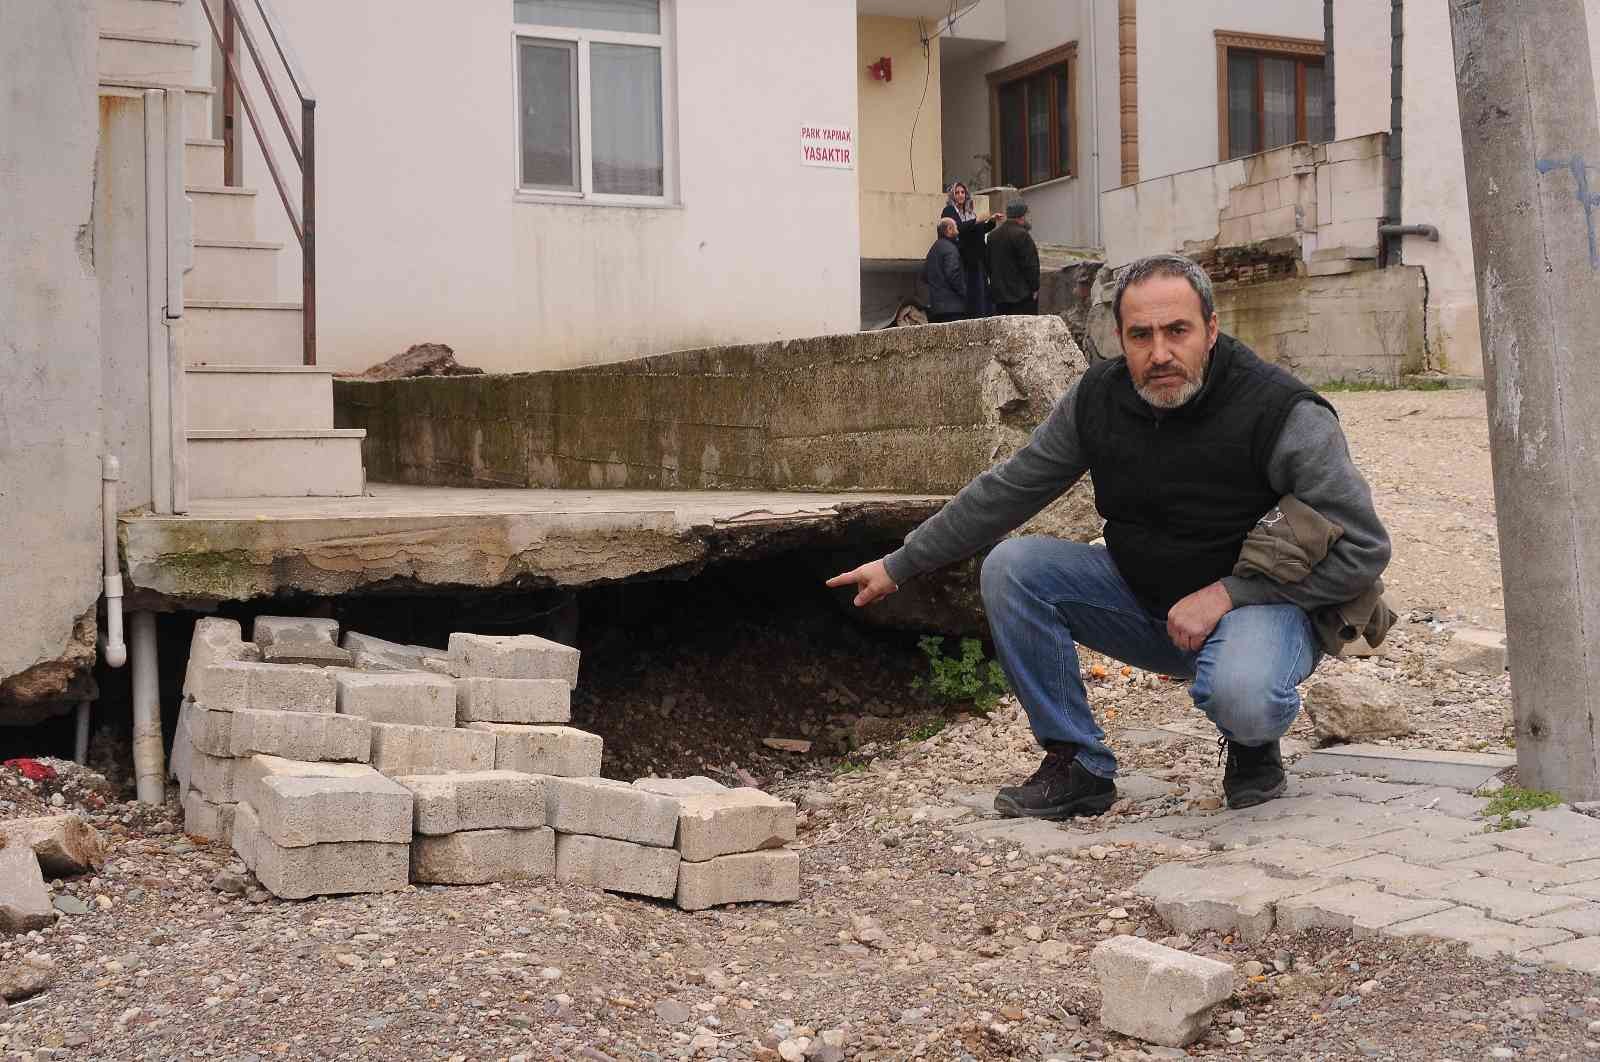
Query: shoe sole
(1098, 804)
(1249, 798)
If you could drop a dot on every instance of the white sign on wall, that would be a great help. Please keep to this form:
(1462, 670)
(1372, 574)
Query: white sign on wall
(828, 145)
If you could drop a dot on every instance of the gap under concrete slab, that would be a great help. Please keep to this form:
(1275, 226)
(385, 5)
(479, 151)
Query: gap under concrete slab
(1458, 770)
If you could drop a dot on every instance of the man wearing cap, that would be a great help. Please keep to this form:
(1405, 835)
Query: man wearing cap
(1014, 263)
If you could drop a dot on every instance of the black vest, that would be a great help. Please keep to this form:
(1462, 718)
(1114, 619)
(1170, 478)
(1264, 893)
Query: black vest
(1179, 489)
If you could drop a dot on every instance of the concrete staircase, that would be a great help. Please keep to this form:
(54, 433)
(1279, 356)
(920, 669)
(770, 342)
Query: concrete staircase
(260, 424)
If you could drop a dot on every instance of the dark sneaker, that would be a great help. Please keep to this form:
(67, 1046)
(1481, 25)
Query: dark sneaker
(1060, 789)
(1254, 774)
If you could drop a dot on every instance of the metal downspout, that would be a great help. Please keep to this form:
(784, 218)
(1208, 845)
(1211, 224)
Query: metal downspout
(1391, 201)
(1329, 126)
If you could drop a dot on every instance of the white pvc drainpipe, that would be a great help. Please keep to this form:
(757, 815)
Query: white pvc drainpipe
(115, 649)
(148, 768)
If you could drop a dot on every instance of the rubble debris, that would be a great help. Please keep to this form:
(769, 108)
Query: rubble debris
(1156, 993)
(1353, 707)
(1474, 652)
(420, 359)
(24, 901)
(65, 845)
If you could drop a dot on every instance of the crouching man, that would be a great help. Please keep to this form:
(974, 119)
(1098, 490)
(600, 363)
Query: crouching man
(1188, 439)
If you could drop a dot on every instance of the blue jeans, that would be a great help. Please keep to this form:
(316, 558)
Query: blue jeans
(1043, 595)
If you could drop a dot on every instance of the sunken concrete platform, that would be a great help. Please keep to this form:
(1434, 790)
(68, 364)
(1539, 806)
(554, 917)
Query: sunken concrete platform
(235, 549)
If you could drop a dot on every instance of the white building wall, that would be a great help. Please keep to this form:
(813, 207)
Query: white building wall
(421, 236)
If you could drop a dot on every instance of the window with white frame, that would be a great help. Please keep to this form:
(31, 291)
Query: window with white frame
(591, 96)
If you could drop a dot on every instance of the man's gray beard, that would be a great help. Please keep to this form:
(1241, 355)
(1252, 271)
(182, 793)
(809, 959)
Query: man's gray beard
(1170, 399)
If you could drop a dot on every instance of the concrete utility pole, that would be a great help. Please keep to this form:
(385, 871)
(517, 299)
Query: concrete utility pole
(1525, 83)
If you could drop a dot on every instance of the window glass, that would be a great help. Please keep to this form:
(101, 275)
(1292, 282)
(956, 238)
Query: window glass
(627, 16)
(1063, 122)
(625, 122)
(1013, 134)
(1278, 96)
(547, 77)
(1242, 129)
(1316, 112)
(1038, 128)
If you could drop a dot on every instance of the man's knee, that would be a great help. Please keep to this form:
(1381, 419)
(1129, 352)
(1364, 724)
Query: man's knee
(1248, 702)
(1005, 567)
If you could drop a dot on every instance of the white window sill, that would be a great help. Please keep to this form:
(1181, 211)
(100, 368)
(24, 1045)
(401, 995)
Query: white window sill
(522, 195)
(1051, 183)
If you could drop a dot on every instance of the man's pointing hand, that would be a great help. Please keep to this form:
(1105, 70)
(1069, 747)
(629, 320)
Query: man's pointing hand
(872, 581)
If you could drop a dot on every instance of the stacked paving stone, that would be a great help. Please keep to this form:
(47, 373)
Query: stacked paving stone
(355, 767)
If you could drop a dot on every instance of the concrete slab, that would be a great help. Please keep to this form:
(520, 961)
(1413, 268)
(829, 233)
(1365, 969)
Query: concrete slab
(1484, 937)
(1357, 906)
(1195, 897)
(1582, 955)
(747, 877)
(1584, 919)
(1517, 867)
(477, 857)
(240, 548)
(1459, 770)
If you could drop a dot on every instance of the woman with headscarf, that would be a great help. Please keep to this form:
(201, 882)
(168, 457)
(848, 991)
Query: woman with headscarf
(970, 232)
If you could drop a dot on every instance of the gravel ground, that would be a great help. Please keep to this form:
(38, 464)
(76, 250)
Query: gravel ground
(911, 940)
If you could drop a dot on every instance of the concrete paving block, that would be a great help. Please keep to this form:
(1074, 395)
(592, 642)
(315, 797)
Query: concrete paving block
(215, 641)
(209, 732)
(521, 656)
(1414, 846)
(1582, 919)
(299, 640)
(1459, 770)
(482, 800)
(319, 869)
(311, 736)
(1547, 846)
(64, 843)
(734, 820)
(559, 751)
(1442, 800)
(1370, 790)
(503, 700)
(617, 866)
(747, 877)
(398, 749)
(1439, 827)
(234, 685)
(1155, 993)
(300, 810)
(477, 857)
(24, 901)
(254, 768)
(1583, 831)
(1293, 855)
(1516, 867)
(206, 818)
(1474, 652)
(411, 698)
(601, 807)
(1194, 897)
(694, 785)
(1395, 875)
(1588, 889)
(1508, 903)
(1356, 906)
(1485, 937)
(1582, 955)
(215, 776)
(376, 654)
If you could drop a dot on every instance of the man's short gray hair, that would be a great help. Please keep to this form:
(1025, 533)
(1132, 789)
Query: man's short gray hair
(1165, 265)
(946, 224)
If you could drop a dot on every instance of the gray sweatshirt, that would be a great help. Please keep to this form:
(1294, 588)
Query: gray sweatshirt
(1311, 461)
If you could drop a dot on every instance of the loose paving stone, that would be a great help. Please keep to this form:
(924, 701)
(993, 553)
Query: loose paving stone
(746, 877)
(296, 811)
(319, 869)
(1355, 707)
(1194, 897)
(230, 686)
(299, 640)
(215, 776)
(1582, 955)
(1473, 651)
(522, 656)
(617, 866)
(1517, 867)
(65, 845)
(559, 751)
(1583, 919)
(206, 818)
(479, 800)
(477, 857)
(291, 735)
(1395, 875)
(723, 821)
(504, 700)
(1356, 906)
(1460, 770)
(399, 749)
(1156, 993)
(24, 901)
(1506, 903)
(1484, 937)
(215, 641)
(411, 698)
(376, 654)
(1414, 846)
(602, 807)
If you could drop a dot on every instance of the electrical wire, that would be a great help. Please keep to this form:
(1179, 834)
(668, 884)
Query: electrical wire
(951, 19)
(927, 75)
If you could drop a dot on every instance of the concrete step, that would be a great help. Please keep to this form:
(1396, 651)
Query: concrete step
(259, 398)
(202, 162)
(196, 100)
(241, 333)
(276, 464)
(223, 213)
(157, 18)
(233, 269)
(143, 55)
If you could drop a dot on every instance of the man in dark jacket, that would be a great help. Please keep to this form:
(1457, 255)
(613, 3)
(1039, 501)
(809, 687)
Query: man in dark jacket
(1189, 439)
(1014, 263)
(946, 280)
